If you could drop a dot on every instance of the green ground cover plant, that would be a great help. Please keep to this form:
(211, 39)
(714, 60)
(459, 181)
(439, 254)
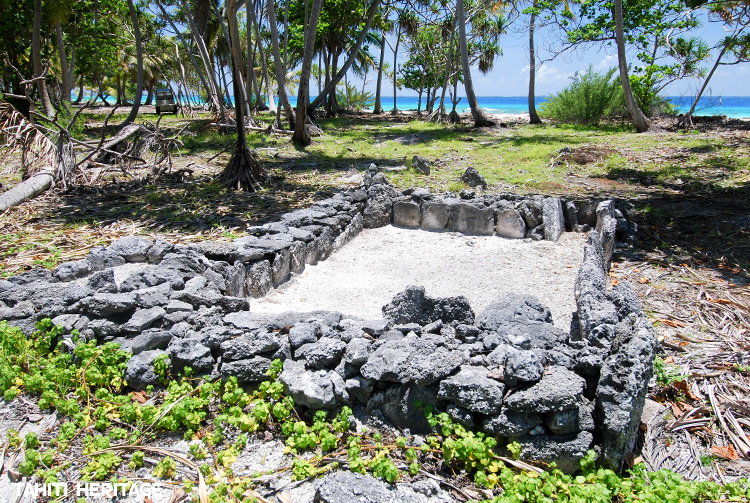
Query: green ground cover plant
(84, 383)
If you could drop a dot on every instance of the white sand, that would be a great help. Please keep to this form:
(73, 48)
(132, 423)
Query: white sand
(365, 275)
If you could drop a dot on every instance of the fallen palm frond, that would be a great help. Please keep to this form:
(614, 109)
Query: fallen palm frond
(38, 151)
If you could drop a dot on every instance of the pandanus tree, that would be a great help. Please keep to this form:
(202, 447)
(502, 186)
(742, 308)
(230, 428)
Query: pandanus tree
(243, 171)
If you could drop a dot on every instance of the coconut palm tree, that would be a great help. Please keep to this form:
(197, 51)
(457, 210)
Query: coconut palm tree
(481, 119)
(533, 116)
(301, 136)
(278, 64)
(139, 62)
(36, 54)
(353, 54)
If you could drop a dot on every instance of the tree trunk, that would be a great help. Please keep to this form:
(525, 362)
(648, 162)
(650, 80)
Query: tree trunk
(277, 64)
(331, 87)
(36, 54)
(394, 111)
(27, 189)
(79, 97)
(209, 90)
(263, 67)
(421, 90)
(301, 136)
(243, 171)
(481, 119)
(378, 108)
(448, 71)
(215, 92)
(139, 65)
(150, 93)
(66, 84)
(241, 85)
(250, 72)
(639, 120)
(687, 119)
(533, 116)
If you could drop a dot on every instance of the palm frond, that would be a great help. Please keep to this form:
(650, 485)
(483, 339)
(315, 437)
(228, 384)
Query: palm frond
(38, 151)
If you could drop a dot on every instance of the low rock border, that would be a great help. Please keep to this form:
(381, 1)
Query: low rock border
(507, 371)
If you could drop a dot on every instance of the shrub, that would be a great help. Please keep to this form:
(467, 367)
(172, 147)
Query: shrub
(587, 100)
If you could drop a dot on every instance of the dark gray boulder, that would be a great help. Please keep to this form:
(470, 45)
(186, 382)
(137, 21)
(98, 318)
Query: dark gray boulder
(470, 218)
(410, 306)
(132, 248)
(513, 308)
(359, 389)
(378, 212)
(68, 271)
(320, 389)
(563, 422)
(146, 341)
(522, 367)
(411, 359)
(303, 333)
(471, 389)
(414, 306)
(140, 370)
(407, 214)
(248, 370)
(105, 304)
(558, 390)
(473, 178)
(102, 258)
(510, 224)
(248, 345)
(403, 405)
(567, 451)
(512, 424)
(421, 164)
(326, 353)
(190, 353)
(553, 218)
(143, 319)
(357, 351)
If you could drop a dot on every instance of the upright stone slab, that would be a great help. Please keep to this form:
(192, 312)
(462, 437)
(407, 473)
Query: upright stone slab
(471, 219)
(621, 392)
(553, 218)
(406, 214)
(259, 279)
(510, 224)
(434, 216)
(606, 226)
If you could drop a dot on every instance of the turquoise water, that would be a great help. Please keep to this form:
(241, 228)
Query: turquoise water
(732, 106)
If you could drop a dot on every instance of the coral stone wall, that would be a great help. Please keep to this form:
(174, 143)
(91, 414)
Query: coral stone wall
(507, 370)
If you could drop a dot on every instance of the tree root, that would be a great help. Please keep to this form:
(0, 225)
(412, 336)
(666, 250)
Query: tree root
(243, 171)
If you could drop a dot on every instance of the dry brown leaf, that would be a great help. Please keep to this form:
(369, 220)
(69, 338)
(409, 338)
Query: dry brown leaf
(614, 282)
(644, 280)
(720, 301)
(139, 396)
(671, 323)
(725, 452)
(669, 359)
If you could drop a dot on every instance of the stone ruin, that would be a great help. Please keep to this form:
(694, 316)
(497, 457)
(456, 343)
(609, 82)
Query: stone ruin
(507, 371)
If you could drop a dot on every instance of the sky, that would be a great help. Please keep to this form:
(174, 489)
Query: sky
(510, 74)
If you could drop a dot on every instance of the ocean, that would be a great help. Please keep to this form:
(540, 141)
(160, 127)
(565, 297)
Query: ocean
(736, 107)
(732, 106)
